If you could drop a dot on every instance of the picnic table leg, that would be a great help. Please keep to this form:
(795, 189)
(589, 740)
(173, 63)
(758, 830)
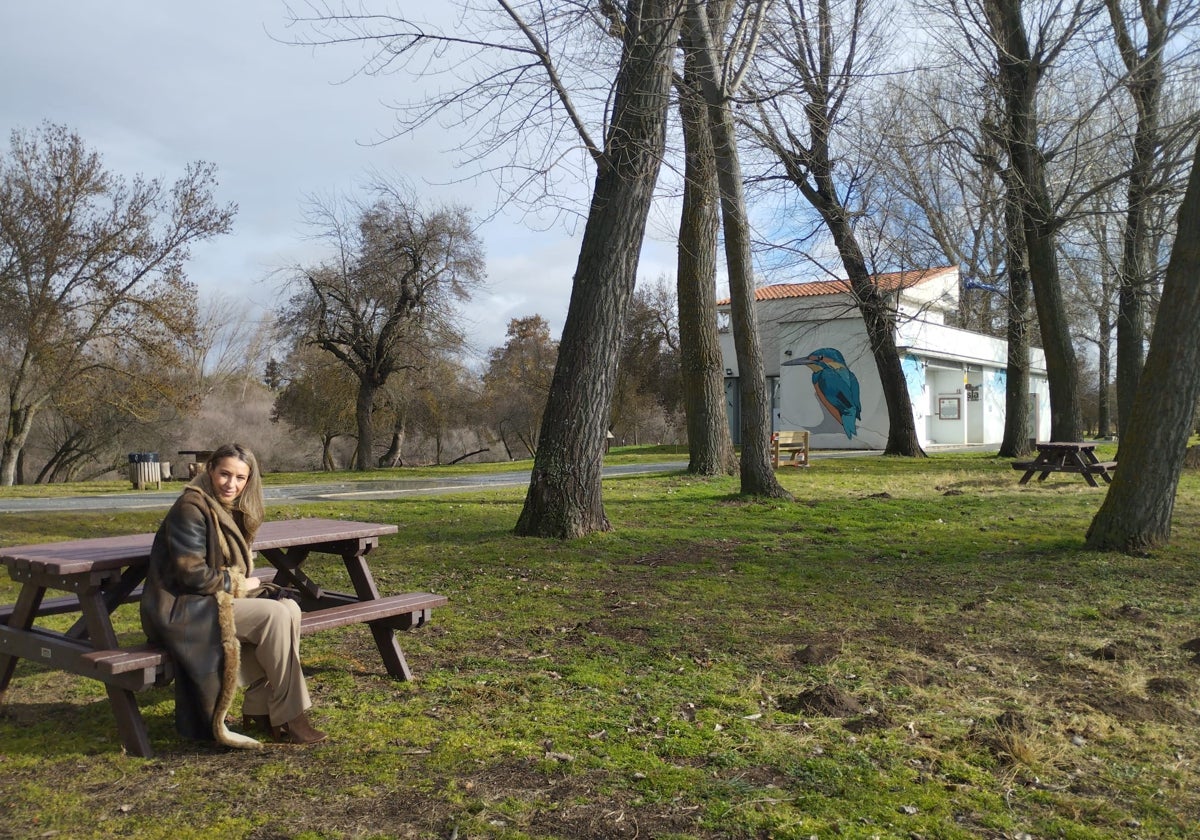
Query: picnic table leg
(365, 588)
(288, 573)
(96, 607)
(113, 597)
(1081, 465)
(130, 724)
(24, 611)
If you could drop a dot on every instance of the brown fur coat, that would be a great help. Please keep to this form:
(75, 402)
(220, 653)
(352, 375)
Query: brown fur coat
(199, 563)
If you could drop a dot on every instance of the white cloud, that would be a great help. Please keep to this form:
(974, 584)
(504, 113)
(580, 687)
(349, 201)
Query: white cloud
(154, 86)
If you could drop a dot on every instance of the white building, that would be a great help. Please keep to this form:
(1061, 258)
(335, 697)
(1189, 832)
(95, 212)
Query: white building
(822, 375)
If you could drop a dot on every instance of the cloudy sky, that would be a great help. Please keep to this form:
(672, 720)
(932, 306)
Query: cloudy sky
(154, 85)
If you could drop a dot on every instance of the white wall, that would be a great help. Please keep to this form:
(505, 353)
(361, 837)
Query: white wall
(799, 407)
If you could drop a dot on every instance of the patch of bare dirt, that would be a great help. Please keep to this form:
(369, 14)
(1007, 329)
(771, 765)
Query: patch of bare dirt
(612, 630)
(817, 653)
(722, 552)
(579, 806)
(1114, 652)
(1169, 686)
(1129, 612)
(1132, 708)
(824, 701)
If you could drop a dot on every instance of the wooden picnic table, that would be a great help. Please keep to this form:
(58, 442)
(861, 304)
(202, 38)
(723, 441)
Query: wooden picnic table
(100, 574)
(1077, 457)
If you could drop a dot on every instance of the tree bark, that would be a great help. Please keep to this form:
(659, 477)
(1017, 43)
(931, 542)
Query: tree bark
(564, 496)
(392, 457)
(710, 448)
(1136, 514)
(1017, 431)
(364, 412)
(20, 422)
(1104, 373)
(327, 462)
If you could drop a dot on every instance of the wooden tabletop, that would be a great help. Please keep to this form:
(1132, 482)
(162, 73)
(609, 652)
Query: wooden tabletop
(103, 553)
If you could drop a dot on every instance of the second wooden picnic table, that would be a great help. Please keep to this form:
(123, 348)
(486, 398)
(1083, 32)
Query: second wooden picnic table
(1077, 457)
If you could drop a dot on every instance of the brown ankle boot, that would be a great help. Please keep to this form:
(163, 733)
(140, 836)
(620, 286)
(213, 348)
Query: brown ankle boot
(262, 722)
(299, 731)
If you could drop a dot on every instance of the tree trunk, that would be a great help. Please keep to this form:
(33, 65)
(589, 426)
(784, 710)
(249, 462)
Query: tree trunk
(1136, 514)
(1017, 431)
(327, 462)
(1104, 376)
(564, 496)
(877, 315)
(20, 421)
(710, 449)
(811, 169)
(364, 410)
(757, 474)
(1018, 82)
(1144, 82)
(881, 331)
(393, 456)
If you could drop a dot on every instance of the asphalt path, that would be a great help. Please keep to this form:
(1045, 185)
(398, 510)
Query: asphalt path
(367, 489)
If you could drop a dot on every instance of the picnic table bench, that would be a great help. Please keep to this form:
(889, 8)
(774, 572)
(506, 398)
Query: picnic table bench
(794, 443)
(103, 573)
(1078, 457)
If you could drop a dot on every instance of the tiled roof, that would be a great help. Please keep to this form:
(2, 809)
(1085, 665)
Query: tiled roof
(886, 282)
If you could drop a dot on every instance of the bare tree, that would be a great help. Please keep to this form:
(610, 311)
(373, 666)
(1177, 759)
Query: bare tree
(710, 447)
(564, 498)
(816, 57)
(230, 345)
(1022, 66)
(949, 173)
(385, 299)
(1154, 41)
(719, 71)
(648, 394)
(525, 88)
(86, 259)
(1136, 513)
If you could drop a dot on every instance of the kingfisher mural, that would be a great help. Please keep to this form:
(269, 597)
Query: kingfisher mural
(836, 386)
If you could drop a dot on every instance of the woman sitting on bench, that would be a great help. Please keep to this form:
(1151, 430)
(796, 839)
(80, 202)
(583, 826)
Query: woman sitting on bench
(221, 625)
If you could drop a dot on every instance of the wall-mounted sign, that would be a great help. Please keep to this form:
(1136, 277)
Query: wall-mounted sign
(948, 408)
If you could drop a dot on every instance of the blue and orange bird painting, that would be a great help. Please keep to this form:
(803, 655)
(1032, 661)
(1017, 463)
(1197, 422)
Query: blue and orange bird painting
(836, 386)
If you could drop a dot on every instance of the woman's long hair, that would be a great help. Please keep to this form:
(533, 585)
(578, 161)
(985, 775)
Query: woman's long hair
(250, 503)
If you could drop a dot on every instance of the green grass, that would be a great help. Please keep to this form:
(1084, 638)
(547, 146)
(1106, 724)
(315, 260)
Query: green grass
(910, 649)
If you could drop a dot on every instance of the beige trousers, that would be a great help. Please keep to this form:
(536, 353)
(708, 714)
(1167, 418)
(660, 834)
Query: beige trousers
(270, 635)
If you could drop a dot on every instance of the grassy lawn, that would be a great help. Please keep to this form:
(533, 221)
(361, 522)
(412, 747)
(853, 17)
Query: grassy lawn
(911, 649)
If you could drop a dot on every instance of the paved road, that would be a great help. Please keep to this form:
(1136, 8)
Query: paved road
(367, 489)
(339, 491)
